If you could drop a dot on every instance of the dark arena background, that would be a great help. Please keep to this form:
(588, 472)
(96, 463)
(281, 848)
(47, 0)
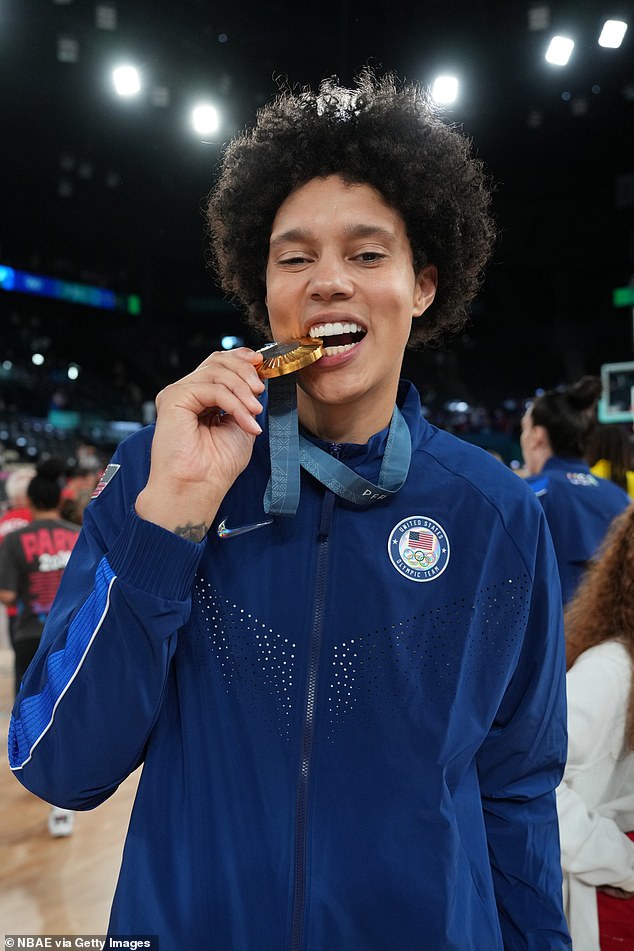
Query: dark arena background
(105, 294)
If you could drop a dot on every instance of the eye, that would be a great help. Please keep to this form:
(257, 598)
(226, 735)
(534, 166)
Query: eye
(369, 257)
(295, 260)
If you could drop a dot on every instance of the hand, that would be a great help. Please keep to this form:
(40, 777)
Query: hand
(614, 892)
(205, 429)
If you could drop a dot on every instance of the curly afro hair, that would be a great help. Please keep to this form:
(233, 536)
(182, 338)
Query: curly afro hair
(381, 133)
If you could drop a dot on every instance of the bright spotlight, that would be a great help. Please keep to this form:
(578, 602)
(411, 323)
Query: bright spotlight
(73, 371)
(445, 90)
(612, 34)
(37, 359)
(126, 80)
(559, 50)
(205, 119)
(229, 342)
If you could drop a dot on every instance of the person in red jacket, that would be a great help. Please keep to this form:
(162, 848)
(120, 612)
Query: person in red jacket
(32, 561)
(17, 514)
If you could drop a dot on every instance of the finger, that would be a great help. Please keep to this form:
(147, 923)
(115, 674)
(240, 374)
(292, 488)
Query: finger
(229, 384)
(215, 397)
(242, 361)
(218, 418)
(208, 387)
(238, 375)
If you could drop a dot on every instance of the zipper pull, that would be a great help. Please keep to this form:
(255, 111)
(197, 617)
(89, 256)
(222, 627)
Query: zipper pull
(327, 509)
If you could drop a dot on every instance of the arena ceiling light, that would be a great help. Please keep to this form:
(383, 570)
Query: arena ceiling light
(126, 80)
(559, 50)
(612, 34)
(228, 342)
(444, 90)
(205, 119)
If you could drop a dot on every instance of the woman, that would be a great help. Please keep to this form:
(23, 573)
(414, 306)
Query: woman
(609, 455)
(335, 754)
(595, 800)
(579, 506)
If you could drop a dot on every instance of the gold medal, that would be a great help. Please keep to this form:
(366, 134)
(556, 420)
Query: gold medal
(282, 358)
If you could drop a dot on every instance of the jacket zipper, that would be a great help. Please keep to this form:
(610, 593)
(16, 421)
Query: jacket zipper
(299, 895)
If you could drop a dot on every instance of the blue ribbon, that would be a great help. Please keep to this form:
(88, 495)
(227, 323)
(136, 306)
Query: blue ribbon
(289, 451)
(282, 492)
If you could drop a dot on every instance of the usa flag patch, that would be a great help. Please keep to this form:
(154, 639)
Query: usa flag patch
(106, 476)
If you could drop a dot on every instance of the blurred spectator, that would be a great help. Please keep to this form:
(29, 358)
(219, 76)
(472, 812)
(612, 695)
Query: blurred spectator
(579, 506)
(16, 515)
(596, 798)
(32, 561)
(89, 457)
(80, 484)
(609, 455)
(17, 511)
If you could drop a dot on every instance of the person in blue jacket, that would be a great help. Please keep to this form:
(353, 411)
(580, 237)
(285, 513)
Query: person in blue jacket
(579, 505)
(330, 632)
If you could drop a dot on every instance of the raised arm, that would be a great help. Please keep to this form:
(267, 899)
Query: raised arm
(95, 688)
(204, 438)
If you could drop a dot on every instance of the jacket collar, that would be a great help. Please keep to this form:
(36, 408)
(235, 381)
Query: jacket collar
(371, 453)
(562, 463)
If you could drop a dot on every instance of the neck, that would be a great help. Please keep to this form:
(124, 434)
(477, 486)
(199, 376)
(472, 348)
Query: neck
(46, 513)
(342, 422)
(539, 461)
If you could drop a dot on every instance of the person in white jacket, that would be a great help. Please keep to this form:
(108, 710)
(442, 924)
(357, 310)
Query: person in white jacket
(595, 800)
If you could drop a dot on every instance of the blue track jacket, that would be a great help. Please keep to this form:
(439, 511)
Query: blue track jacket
(579, 508)
(352, 722)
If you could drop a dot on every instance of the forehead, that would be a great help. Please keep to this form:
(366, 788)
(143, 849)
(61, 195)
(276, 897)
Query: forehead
(333, 202)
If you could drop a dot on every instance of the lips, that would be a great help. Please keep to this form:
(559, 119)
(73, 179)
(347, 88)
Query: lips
(338, 336)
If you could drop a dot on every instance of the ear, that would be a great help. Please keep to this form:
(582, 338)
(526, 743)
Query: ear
(539, 437)
(424, 289)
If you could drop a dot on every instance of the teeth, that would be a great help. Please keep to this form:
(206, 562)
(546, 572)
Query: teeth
(335, 328)
(331, 351)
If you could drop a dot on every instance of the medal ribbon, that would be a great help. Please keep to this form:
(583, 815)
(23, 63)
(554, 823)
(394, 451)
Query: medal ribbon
(282, 492)
(289, 451)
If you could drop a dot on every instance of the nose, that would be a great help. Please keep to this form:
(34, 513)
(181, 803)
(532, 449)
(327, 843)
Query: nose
(329, 278)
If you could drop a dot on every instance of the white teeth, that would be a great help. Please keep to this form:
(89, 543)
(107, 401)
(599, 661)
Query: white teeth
(334, 328)
(331, 351)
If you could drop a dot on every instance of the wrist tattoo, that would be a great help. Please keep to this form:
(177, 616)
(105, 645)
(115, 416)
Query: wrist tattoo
(193, 533)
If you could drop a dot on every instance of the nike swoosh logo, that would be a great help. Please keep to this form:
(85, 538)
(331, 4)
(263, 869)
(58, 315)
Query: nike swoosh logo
(224, 532)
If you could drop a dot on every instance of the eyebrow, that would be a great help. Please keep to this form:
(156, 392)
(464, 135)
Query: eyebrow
(351, 231)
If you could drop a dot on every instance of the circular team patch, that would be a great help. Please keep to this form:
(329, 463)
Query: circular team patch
(419, 548)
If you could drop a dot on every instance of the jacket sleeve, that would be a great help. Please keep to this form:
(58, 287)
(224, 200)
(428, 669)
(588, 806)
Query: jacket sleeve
(593, 847)
(94, 689)
(520, 766)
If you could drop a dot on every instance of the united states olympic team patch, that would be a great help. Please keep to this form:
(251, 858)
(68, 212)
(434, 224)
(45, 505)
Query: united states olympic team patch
(419, 548)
